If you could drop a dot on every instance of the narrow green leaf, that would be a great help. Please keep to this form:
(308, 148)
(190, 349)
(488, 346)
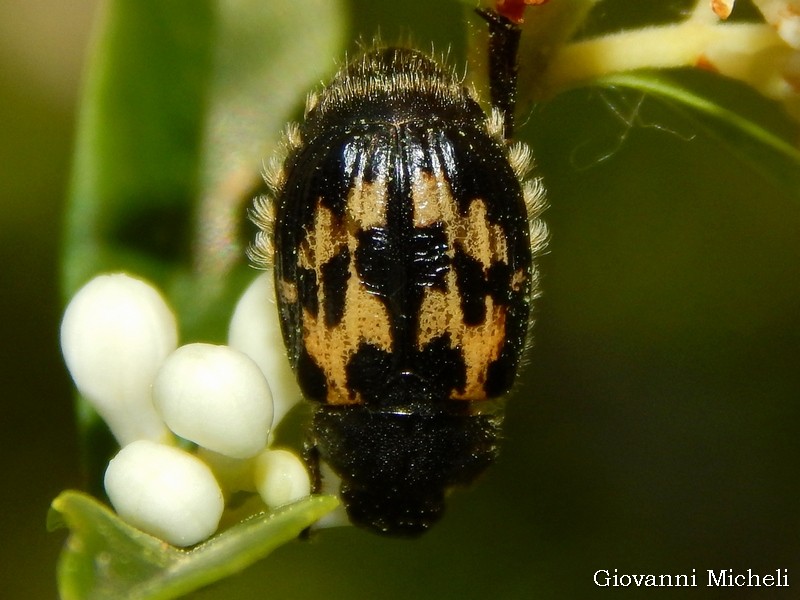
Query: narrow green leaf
(139, 136)
(764, 150)
(183, 103)
(262, 71)
(105, 558)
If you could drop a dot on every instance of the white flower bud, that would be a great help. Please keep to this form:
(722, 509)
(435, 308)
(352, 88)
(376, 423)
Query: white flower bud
(164, 491)
(256, 331)
(216, 397)
(280, 477)
(116, 332)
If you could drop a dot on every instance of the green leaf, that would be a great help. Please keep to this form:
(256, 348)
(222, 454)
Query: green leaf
(105, 558)
(139, 140)
(262, 73)
(756, 145)
(183, 102)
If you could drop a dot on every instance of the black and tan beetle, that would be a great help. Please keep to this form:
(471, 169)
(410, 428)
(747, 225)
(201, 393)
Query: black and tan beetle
(402, 234)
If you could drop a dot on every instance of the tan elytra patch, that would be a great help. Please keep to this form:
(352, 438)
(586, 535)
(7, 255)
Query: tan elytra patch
(365, 318)
(441, 312)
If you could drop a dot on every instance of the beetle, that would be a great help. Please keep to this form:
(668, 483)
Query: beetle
(403, 235)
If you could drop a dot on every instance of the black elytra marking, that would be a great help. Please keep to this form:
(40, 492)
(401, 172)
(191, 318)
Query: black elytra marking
(430, 261)
(432, 372)
(306, 281)
(404, 275)
(472, 284)
(334, 285)
(379, 261)
(310, 377)
(383, 265)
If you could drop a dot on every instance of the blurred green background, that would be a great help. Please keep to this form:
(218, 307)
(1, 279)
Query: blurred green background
(42, 45)
(653, 431)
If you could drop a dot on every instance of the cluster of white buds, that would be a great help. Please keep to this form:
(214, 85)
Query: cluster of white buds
(119, 339)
